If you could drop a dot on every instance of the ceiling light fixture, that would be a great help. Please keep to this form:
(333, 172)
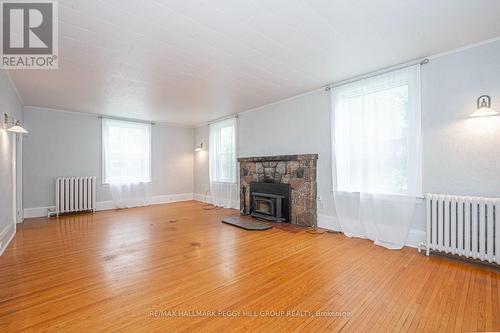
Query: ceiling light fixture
(484, 107)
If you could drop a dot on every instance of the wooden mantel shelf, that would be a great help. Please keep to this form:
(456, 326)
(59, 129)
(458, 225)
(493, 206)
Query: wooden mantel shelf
(298, 157)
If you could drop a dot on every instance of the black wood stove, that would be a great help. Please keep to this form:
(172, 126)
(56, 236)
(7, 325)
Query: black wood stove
(270, 201)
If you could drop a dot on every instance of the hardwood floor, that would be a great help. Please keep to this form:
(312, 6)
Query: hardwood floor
(150, 269)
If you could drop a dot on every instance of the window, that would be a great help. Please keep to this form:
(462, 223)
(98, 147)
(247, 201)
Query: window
(377, 133)
(126, 152)
(223, 151)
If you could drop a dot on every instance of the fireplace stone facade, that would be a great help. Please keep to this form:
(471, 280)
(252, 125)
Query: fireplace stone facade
(297, 170)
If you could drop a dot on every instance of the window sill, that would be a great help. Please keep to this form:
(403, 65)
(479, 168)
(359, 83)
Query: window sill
(135, 183)
(383, 195)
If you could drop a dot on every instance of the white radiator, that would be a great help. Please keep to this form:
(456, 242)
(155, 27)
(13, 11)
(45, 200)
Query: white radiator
(464, 226)
(75, 194)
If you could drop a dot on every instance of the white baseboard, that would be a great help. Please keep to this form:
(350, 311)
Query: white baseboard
(328, 222)
(37, 211)
(415, 236)
(168, 198)
(108, 205)
(203, 198)
(208, 199)
(6, 236)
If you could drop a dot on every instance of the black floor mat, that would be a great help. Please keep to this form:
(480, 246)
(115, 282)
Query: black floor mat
(245, 223)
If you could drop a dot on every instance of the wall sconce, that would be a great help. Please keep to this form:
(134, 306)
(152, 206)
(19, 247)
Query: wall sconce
(199, 147)
(484, 107)
(13, 125)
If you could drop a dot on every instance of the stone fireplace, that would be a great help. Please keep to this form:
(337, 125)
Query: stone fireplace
(298, 171)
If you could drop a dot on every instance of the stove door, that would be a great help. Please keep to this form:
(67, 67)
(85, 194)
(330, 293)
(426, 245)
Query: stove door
(265, 206)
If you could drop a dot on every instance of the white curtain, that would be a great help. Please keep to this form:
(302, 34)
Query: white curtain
(377, 155)
(222, 164)
(127, 162)
(128, 195)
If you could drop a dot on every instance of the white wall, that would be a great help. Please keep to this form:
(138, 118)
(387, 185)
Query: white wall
(201, 177)
(69, 144)
(460, 155)
(10, 103)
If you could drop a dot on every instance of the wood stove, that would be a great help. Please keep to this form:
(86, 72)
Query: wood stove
(270, 201)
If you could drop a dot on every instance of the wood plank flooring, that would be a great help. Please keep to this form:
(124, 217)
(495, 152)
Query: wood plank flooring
(175, 268)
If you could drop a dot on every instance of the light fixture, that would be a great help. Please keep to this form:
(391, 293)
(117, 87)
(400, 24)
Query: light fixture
(17, 128)
(16, 125)
(484, 107)
(199, 147)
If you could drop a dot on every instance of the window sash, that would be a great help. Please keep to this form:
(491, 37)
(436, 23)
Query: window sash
(223, 151)
(126, 152)
(375, 133)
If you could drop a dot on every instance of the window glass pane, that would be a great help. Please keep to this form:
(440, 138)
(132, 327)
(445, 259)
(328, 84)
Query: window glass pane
(372, 130)
(223, 151)
(126, 152)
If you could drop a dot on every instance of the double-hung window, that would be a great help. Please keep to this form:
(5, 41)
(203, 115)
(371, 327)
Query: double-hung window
(126, 152)
(223, 151)
(376, 124)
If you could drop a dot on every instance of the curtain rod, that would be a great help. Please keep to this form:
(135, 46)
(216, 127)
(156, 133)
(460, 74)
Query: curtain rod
(420, 62)
(222, 118)
(127, 119)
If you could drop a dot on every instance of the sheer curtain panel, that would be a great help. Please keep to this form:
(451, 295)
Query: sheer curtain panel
(222, 163)
(127, 162)
(377, 155)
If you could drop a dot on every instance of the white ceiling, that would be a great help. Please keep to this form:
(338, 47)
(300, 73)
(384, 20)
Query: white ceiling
(191, 61)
